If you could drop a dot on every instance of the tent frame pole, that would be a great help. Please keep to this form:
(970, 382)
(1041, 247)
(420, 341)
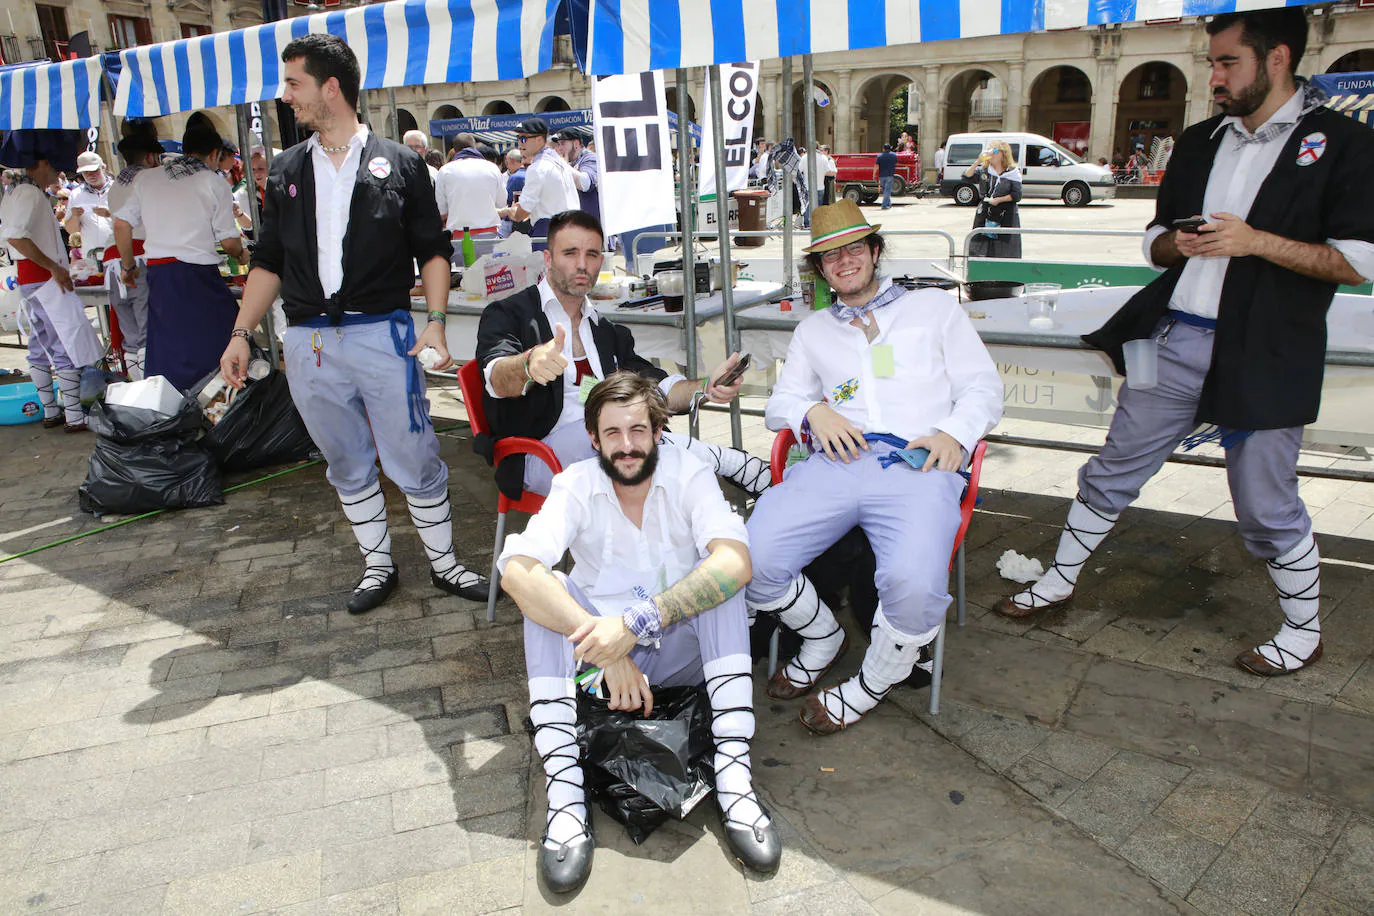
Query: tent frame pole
(809, 128)
(687, 208)
(791, 283)
(727, 291)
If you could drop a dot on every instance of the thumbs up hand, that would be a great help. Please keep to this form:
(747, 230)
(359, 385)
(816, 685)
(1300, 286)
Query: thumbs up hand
(546, 360)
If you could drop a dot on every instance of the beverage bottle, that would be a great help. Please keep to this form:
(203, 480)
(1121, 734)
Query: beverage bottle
(469, 249)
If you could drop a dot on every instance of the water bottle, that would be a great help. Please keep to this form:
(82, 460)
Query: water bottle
(469, 249)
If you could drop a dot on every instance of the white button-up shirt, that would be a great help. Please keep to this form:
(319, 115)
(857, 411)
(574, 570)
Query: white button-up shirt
(554, 311)
(96, 231)
(333, 200)
(26, 213)
(549, 186)
(943, 377)
(184, 218)
(1232, 186)
(469, 192)
(119, 195)
(613, 559)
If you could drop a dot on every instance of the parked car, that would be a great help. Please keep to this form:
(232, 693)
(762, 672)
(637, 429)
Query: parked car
(1048, 170)
(854, 175)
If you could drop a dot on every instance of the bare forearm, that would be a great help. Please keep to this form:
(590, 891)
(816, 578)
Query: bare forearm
(73, 221)
(258, 294)
(715, 580)
(1311, 259)
(29, 249)
(541, 597)
(680, 395)
(124, 242)
(1164, 251)
(509, 375)
(434, 275)
(233, 248)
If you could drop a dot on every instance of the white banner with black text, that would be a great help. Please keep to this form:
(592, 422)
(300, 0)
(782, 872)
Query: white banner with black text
(632, 141)
(739, 86)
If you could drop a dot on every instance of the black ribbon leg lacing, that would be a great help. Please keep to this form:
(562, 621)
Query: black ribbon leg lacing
(374, 576)
(568, 730)
(1038, 600)
(1310, 592)
(727, 809)
(811, 674)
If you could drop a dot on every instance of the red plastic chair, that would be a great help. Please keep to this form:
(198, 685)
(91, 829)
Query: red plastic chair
(470, 382)
(782, 444)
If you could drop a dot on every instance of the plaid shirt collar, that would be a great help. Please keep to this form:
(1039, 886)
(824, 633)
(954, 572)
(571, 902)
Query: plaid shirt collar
(1308, 98)
(179, 167)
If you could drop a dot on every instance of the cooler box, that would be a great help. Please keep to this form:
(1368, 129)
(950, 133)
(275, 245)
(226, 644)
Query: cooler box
(155, 393)
(19, 404)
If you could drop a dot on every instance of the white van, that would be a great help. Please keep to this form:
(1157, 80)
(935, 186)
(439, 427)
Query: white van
(1047, 169)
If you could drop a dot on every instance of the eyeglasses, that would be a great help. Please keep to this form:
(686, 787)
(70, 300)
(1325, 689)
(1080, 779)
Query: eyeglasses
(855, 249)
(522, 140)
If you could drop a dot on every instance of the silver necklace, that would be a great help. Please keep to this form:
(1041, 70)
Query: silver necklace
(334, 149)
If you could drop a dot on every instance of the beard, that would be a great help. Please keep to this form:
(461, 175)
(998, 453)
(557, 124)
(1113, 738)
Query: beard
(571, 283)
(865, 280)
(646, 470)
(1249, 100)
(313, 117)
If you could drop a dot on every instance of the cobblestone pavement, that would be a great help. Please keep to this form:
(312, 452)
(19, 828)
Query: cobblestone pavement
(190, 724)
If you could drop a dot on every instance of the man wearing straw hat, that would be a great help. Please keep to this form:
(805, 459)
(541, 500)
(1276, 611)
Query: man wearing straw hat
(890, 390)
(1263, 210)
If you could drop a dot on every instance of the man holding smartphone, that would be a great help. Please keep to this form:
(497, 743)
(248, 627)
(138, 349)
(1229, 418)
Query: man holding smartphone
(543, 349)
(1264, 210)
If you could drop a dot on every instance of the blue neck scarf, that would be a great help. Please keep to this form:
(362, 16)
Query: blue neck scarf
(884, 297)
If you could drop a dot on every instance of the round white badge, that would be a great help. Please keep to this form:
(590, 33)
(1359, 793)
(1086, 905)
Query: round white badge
(1311, 148)
(379, 167)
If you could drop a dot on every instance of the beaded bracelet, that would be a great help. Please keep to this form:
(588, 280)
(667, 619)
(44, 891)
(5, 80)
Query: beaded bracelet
(643, 620)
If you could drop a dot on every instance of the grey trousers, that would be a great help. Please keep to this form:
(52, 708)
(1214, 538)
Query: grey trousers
(1149, 424)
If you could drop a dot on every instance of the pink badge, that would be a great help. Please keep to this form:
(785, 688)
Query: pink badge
(291, 190)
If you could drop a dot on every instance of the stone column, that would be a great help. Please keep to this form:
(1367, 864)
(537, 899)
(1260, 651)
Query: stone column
(1106, 94)
(844, 115)
(932, 132)
(768, 98)
(219, 16)
(1017, 113)
(1199, 90)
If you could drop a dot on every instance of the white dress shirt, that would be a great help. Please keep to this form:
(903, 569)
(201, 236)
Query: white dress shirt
(1237, 173)
(469, 192)
(96, 231)
(26, 213)
(572, 404)
(119, 195)
(549, 186)
(612, 557)
(333, 200)
(183, 219)
(939, 159)
(943, 377)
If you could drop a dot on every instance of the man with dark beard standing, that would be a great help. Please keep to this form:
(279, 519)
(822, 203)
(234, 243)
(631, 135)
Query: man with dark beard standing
(347, 215)
(655, 598)
(1284, 212)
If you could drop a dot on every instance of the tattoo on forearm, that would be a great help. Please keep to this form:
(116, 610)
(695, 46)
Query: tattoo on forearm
(701, 589)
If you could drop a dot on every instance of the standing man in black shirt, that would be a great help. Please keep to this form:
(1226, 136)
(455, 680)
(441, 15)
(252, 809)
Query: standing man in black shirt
(346, 213)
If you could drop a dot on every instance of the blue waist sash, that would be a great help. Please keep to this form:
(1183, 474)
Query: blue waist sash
(1196, 321)
(403, 341)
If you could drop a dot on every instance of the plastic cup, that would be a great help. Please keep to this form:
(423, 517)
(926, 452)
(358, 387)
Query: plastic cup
(259, 369)
(1142, 363)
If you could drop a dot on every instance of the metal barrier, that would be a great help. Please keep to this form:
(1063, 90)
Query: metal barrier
(766, 233)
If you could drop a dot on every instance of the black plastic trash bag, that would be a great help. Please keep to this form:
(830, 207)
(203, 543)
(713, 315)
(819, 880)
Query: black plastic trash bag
(261, 428)
(644, 771)
(144, 460)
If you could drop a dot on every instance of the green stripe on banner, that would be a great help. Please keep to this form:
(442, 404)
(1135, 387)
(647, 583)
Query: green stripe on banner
(1071, 275)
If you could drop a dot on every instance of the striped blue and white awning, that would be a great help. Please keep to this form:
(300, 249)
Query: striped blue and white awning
(400, 43)
(60, 96)
(631, 36)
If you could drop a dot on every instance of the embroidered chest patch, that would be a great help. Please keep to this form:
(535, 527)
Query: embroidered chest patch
(844, 391)
(1311, 148)
(379, 167)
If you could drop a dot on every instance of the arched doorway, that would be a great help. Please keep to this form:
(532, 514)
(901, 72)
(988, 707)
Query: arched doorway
(887, 105)
(1061, 108)
(498, 107)
(977, 101)
(1360, 61)
(406, 121)
(206, 119)
(552, 103)
(670, 97)
(447, 112)
(823, 99)
(1153, 104)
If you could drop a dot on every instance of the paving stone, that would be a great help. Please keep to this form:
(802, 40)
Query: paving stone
(442, 731)
(215, 769)
(1042, 780)
(395, 708)
(392, 858)
(15, 846)
(354, 642)
(255, 801)
(82, 836)
(391, 612)
(252, 551)
(457, 800)
(20, 646)
(496, 836)
(76, 663)
(343, 823)
(282, 674)
(379, 900)
(253, 888)
(1073, 754)
(69, 736)
(394, 655)
(1342, 758)
(1118, 799)
(484, 887)
(509, 752)
(1264, 870)
(51, 710)
(1169, 854)
(146, 900)
(994, 671)
(161, 861)
(1348, 872)
(1314, 903)
(310, 694)
(138, 701)
(385, 775)
(207, 712)
(323, 752)
(219, 660)
(82, 779)
(268, 730)
(47, 887)
(1212, 805)
(424, 628)
(1001, 741)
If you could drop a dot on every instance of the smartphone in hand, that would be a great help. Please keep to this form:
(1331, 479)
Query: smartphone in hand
(1192, 224)
(730, 377)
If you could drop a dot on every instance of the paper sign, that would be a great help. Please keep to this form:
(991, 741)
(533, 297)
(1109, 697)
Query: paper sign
(585, 389)
(883, 364)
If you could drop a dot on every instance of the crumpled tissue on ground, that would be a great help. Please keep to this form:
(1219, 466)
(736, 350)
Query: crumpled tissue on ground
(1018, 568)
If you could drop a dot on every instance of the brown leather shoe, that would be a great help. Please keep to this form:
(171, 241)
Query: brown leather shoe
(75, 427)
(780, 688)
(816, 717)
(53, 422)
(1008, 608)
(1250, 660)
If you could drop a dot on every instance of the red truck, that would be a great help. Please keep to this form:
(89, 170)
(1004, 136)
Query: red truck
(854, 175)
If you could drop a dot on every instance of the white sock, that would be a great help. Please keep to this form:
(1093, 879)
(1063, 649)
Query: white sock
(366, 512)
(69, 382)
(888, 662)
(749, 473)
(731, 690)
(133, 361)
(1083, 531)
(42, 380)
(1297, 576)
(926, 664)
(803, 612)
(433, 520)
(553, 710)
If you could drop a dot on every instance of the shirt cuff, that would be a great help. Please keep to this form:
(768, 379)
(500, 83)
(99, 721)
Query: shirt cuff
(1358, 254)
(667, 384)
(486, 375)
(1151, 234)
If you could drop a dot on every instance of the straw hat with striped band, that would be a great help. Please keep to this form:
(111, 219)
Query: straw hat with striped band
(836, 225)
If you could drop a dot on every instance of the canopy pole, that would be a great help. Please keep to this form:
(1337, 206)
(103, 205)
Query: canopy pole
(727, 290)
(395, 115)
(790, 284)
(687, 206)
(246, 138)
(269, 319)
(809, 126)
(364, 111)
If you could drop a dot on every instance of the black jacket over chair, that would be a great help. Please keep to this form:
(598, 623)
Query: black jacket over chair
(1270, 347)
(512, 326)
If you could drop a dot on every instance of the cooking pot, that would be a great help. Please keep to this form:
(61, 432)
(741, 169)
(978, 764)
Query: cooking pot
(976, 290)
